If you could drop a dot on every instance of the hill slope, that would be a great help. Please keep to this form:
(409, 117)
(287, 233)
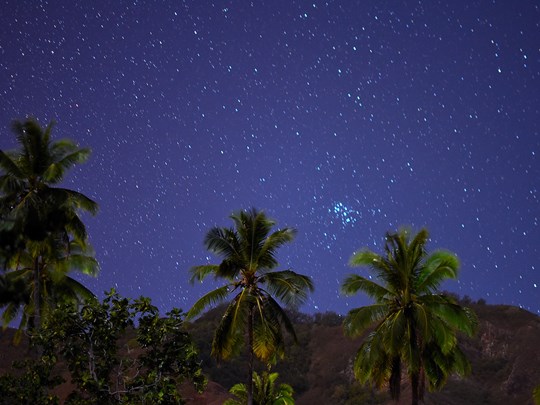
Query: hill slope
(505, 357)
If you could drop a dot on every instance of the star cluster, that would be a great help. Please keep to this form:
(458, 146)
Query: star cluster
(343, 119)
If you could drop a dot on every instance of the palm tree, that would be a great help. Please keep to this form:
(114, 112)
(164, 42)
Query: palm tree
(248, 255)
(55, 284)
(411, 324)
(46, 214)
(265, 391)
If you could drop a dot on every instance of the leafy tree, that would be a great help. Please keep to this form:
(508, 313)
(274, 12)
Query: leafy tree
(31, 385)
(46, 215)
(11, 240)
(265, 391)
(248, 254)
(55, 284)
(109, 367)
(413, 325)
(536, 395)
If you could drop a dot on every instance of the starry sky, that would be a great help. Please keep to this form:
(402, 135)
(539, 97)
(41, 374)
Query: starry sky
(343, 119)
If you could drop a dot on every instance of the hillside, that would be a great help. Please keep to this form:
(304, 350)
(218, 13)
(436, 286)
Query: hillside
(504, 354)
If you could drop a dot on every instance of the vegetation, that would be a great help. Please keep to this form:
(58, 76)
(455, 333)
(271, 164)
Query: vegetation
(122, 351)
(109, 361)
(31, 384)
(265, 391)
(53, 284)
(248, 255)
(413, 325)
(48, 238)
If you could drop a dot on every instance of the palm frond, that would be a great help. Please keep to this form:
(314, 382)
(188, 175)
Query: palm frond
(210, 299)
(79, 262)
(456, 316)
(75, 199)
(57, 169)
(267, 337)
(354, 283)
(358, 320)
(61, 148)
(439, 365)
(229, 268)
(79, 289)
(444, 336)
(439, 266)
(222, 241)
(266, 256)
(9, 166)
(269, 319)
(199, 273)
(10, 313)
(289, 287)
(395, 331)
(372, 362)
(273, 309)
(253, 228)
(229, 335)
(25, 320)
(239, 391)
(365, 257)
(418, 243)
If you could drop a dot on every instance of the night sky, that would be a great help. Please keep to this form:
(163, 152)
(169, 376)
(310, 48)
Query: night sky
(343, 119)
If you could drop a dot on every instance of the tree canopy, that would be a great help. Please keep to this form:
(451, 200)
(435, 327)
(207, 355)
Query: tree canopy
(409, 323)
(44, 237)
(253, 316)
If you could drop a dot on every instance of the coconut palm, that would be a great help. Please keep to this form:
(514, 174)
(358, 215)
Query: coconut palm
(248, 254)
(265, 391)
(46, 214)
(55, 283)
(412, 325)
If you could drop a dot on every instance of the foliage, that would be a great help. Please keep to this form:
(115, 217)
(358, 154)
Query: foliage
(12, 239)
(413, 324)
(32, 385)
(248, 254)
(55, 285)
(265, 391)
(294, 367)
(27, 179)
(110, 362)
(39, 222)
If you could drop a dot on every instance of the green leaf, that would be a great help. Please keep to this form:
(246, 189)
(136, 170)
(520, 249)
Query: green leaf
(354, 283)
(199, 273)
(289, 287)
(359, 320)
(212, 298)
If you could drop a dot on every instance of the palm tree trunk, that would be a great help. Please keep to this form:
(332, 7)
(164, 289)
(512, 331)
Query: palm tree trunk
(250, 357)
(414, 388)
(422, 384)
(38, 351)
(395, 379)
(37, 295)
